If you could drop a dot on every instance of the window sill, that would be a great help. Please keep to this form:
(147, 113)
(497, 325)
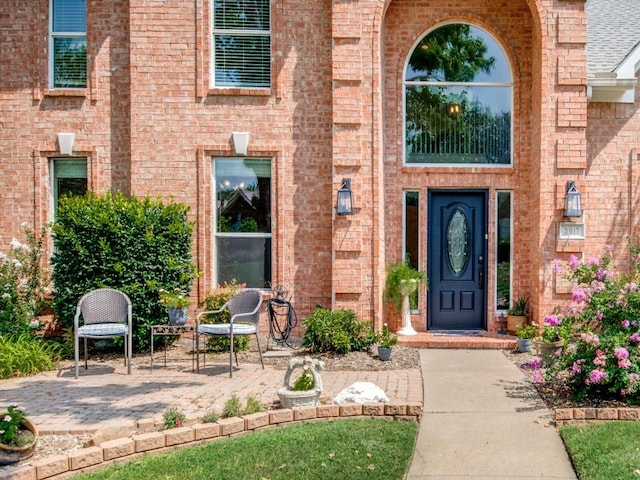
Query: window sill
(257, 92)
(66, 92)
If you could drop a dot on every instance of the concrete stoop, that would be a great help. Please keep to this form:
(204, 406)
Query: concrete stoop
(151, 440)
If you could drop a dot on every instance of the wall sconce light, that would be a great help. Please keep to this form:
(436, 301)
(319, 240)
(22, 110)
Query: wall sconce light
(345, 203)
(65, 143)
(573, 207)
(454, 109)
(240, 142)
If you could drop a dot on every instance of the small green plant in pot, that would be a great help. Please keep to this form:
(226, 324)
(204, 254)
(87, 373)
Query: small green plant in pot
(385, 340)
(526, 332)
(517, 314)
(176, 303)
(307, 387)
(18, 436)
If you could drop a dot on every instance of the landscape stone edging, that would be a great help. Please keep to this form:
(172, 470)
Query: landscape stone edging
(123, 449)
(564, 416)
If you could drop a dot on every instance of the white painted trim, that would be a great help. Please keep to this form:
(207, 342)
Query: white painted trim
(618, 86)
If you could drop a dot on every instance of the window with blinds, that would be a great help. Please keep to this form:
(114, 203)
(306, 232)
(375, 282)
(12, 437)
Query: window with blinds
(241, 47)
(68, 44)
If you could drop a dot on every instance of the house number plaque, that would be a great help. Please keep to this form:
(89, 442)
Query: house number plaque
(571, 231)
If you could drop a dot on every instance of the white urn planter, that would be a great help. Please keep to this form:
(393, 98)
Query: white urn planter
(289, 397)
(407, 287)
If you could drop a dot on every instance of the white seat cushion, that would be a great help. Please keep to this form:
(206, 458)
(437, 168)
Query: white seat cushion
(103, 330)
(225, 329)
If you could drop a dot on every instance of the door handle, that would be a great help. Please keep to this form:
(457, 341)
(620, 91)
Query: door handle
(480, 273)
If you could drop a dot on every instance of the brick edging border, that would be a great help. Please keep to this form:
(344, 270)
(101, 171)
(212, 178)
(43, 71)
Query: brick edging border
(127, 448)
(565, 416)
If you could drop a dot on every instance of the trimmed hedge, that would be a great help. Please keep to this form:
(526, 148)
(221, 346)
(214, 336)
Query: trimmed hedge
(135, 245)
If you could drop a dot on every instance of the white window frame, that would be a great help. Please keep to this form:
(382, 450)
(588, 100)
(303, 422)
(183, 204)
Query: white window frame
(406, 83)
(53, 177)
(404, 231)
(496, 245)
(52, 36)
(236, 32)
(214, 214)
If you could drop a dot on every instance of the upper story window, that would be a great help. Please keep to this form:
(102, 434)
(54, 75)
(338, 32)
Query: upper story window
(458, 99)
(241, 44)
(68, 44)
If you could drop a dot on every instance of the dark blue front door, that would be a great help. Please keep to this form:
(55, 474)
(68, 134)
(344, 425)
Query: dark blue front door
(457, 240)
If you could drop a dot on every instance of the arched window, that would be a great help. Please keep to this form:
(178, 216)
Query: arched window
(458, 99)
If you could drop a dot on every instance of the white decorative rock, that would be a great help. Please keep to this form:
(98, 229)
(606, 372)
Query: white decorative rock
(361, 392)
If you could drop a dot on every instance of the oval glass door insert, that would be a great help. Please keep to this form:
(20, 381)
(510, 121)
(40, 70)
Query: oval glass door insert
(457, 241)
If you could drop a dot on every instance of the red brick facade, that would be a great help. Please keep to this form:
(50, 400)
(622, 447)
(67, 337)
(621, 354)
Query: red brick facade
(149, 123)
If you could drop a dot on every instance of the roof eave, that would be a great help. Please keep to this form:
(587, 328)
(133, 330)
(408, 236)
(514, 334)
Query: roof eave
(611, 90)
(618, 86)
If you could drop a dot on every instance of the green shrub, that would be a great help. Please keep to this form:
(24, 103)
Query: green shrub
(232, 407)
(25, 354)
(211, 417)
(214, 301)
(253, 405)
(336, 331)
(173, 418)
(139, 246)
(23, 283)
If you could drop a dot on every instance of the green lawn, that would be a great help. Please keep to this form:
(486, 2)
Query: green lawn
(346, 449)
(604, 451)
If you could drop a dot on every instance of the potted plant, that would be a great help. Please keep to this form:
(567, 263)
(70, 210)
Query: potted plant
(18, 436)
(551, 342)
(402, 280)
(307, 388)
(176, 303)
(517, 314)
(526, 332)
(385, 340)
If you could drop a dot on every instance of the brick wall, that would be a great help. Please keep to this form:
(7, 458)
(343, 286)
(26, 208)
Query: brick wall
(149, 124)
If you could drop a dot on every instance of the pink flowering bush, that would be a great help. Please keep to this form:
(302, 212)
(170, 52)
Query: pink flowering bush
(604, 358)
(554, 329)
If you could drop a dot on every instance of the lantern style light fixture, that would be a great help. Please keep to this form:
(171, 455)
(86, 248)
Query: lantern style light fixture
(345, 203)
(573, 206)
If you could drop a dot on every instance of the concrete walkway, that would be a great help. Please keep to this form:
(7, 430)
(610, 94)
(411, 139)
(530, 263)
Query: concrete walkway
(483, 421)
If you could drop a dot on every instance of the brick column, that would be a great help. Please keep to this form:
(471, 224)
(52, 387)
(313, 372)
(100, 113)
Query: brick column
(351, 259)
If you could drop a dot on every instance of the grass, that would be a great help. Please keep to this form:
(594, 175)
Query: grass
(604, 451)
(354, 449)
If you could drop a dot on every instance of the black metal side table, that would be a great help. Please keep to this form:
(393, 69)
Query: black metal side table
(172, 331)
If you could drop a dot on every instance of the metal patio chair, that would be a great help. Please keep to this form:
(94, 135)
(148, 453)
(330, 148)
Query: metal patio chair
(106, 313)
(244, 309)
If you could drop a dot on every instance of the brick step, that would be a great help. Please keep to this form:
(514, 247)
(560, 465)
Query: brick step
(452, 339)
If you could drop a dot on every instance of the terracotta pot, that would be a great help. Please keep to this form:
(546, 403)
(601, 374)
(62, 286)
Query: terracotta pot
(514, 321)
(10, 454)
